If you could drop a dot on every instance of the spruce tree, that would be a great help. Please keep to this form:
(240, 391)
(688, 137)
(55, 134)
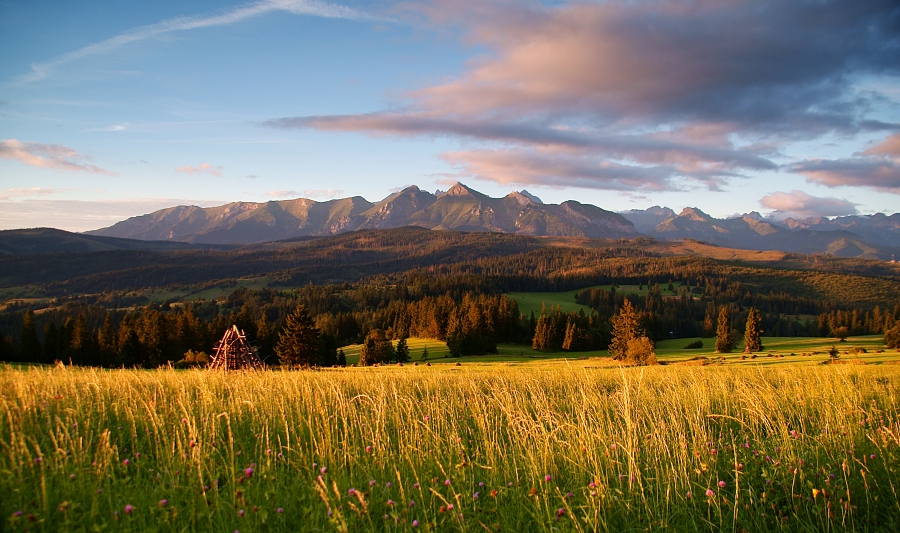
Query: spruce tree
(626, 328)
(401, 352)
(376, 349)
(298, 344)
(29, 344)
(752, 331)
(341, 358)
(724, 340)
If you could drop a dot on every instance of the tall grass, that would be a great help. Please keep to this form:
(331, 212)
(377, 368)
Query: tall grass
(540, 448)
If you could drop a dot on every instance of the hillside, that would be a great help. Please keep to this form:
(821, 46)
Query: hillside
(49, 240)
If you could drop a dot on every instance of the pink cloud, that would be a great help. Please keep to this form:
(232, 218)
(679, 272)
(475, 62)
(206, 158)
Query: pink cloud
(802, 205)
(47, 156)
(204, 168)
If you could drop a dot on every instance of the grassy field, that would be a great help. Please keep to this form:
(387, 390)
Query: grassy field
(531, 302)
(549, 446)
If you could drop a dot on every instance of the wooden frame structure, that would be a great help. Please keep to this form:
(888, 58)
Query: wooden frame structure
(233, 352)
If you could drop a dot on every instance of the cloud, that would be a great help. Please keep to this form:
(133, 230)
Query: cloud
(309, 193)
(47, 156)
(642, 94)
(877, 167)
(526, 167)
(316, 8)
(204, 168)
(799, 204)
(20, 192)
(82, 215)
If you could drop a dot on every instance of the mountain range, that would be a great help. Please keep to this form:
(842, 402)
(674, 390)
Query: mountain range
(464, 209)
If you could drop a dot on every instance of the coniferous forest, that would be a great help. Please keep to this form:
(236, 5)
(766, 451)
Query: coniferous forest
(143, 308)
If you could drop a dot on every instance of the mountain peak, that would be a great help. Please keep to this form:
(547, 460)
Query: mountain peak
(460, 190)
(694, 214)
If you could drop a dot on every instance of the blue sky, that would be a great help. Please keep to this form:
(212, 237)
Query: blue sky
(114, 109)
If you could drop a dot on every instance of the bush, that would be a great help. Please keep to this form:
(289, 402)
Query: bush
(640, 352)
(892, 337)
(694, 345)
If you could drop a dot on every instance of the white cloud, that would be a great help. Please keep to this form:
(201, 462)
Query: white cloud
(47, 156)
(204, 168)
(20, 192)
(83, 215)
(39, 71)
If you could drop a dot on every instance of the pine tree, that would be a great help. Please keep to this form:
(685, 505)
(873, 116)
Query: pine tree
(569, 340)
(401, 352)
(752, 331)
(724, 340)
(298, 344)
(626, 328)
(29, 344)
(341, 358)
(424, 354)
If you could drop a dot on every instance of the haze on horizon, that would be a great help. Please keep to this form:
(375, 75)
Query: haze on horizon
(111, 109)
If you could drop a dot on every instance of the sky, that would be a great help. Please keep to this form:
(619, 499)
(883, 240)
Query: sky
(111, 109)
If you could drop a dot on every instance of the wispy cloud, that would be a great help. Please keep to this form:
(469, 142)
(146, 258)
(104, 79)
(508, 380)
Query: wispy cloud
(877, 168)
(47, 156)
(20, 192)
(204, 168)
(309, 193)
(315, 8)
(799, 204)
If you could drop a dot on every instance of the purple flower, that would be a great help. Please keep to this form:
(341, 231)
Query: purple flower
(279, 510)
(547, 478)
(351, 492)
(570, 495)
(388, 484)
(481, 483)
(241, 512)
(449, 506)
(415, 523)
(415, 485)
(710, 493)
(323, 470)
(248, 472)
(391, 502)
(162, 503)
(128, 509)
(447, 482)
(18, 514)
(371, 482)
(475, 496)
(872, 456)
(126, 462)
(721, 484)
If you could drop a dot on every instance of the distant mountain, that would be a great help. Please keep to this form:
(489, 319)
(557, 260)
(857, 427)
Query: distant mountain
(753, 232)
(460, 208)
(49, 240)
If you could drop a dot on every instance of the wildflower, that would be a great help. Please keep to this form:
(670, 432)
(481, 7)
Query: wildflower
(494, 493)
(351, 492)
(162, 503)
(560, 512)
(815, 493)
(248, 472)
(129, 508)
(388, 484)
(592, 485)
(481, 483)
(192, 443)
(323, 470)
(99, 491)
(713, 451)
(721, 484)
(710, 493)
(368, 449)
(126, 462)
(547, 478)
(872, 456)
(279, 510)
(476, 495)
(371, 482)
(415, 523)
(137, 455)
(570, 495)
(794, 434)
(71, 476)
(447, 482)
(412, 503)
(416, 485)
(241, 512)
(390, 502)
(688, 495)
(17, 514)
(449, 506)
